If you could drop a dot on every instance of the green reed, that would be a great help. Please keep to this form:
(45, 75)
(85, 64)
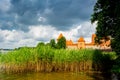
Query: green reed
(47, 59)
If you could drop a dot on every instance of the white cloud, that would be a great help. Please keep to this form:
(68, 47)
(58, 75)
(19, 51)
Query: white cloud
(10, 35)
(14, 38)
(85, 30)
(27, 42)
(42, 32)
(41, 19)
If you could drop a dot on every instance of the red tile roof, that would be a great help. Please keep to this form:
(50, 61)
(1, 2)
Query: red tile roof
(61, 35)
(81, 39)
(69, 42)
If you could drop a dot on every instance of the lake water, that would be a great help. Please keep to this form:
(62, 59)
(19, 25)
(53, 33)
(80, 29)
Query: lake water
(5, 50)
(53, 76)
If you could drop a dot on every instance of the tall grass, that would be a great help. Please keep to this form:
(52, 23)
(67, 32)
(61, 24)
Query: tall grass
(47, 59)
(103, 61)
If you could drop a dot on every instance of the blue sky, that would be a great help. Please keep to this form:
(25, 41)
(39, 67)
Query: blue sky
(27, 22)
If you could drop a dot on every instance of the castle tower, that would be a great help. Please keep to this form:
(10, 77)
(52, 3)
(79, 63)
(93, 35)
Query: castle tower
(81, 43)
(60, 36)
(93, 38)
(69, 42)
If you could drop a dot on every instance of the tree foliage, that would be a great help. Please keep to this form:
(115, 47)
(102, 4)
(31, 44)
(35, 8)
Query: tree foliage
(61, 43)
(107, 15)
(52, 43)
(40, 44)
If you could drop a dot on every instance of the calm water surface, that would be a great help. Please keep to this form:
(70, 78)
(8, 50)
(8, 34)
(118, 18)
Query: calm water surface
(52, 76)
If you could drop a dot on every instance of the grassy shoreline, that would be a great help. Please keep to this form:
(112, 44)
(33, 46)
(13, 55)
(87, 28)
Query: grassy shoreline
(47, 59)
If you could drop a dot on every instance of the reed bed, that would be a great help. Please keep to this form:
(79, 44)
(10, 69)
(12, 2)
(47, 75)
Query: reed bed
(47, 59)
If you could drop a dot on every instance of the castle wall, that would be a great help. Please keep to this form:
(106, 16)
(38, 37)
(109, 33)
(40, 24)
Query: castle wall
(92, 47)
(81, 45)
(72, 47)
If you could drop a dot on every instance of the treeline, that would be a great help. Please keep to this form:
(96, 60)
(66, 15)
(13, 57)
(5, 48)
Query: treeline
(59, 44)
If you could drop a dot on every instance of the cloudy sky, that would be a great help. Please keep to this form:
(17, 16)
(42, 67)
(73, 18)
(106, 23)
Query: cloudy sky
(27, 22)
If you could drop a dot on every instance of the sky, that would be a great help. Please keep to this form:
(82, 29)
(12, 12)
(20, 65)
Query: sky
(28, 22)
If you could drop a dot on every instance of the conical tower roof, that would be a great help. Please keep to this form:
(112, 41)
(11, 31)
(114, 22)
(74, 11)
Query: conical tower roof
(81, 39)
(60, 36)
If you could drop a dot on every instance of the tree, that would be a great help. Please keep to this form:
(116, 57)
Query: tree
(61, 43)
(40, 44)
(107, 15)
(52, 43)
(47, 44)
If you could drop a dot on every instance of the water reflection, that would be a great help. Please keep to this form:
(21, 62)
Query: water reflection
(54, 76)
